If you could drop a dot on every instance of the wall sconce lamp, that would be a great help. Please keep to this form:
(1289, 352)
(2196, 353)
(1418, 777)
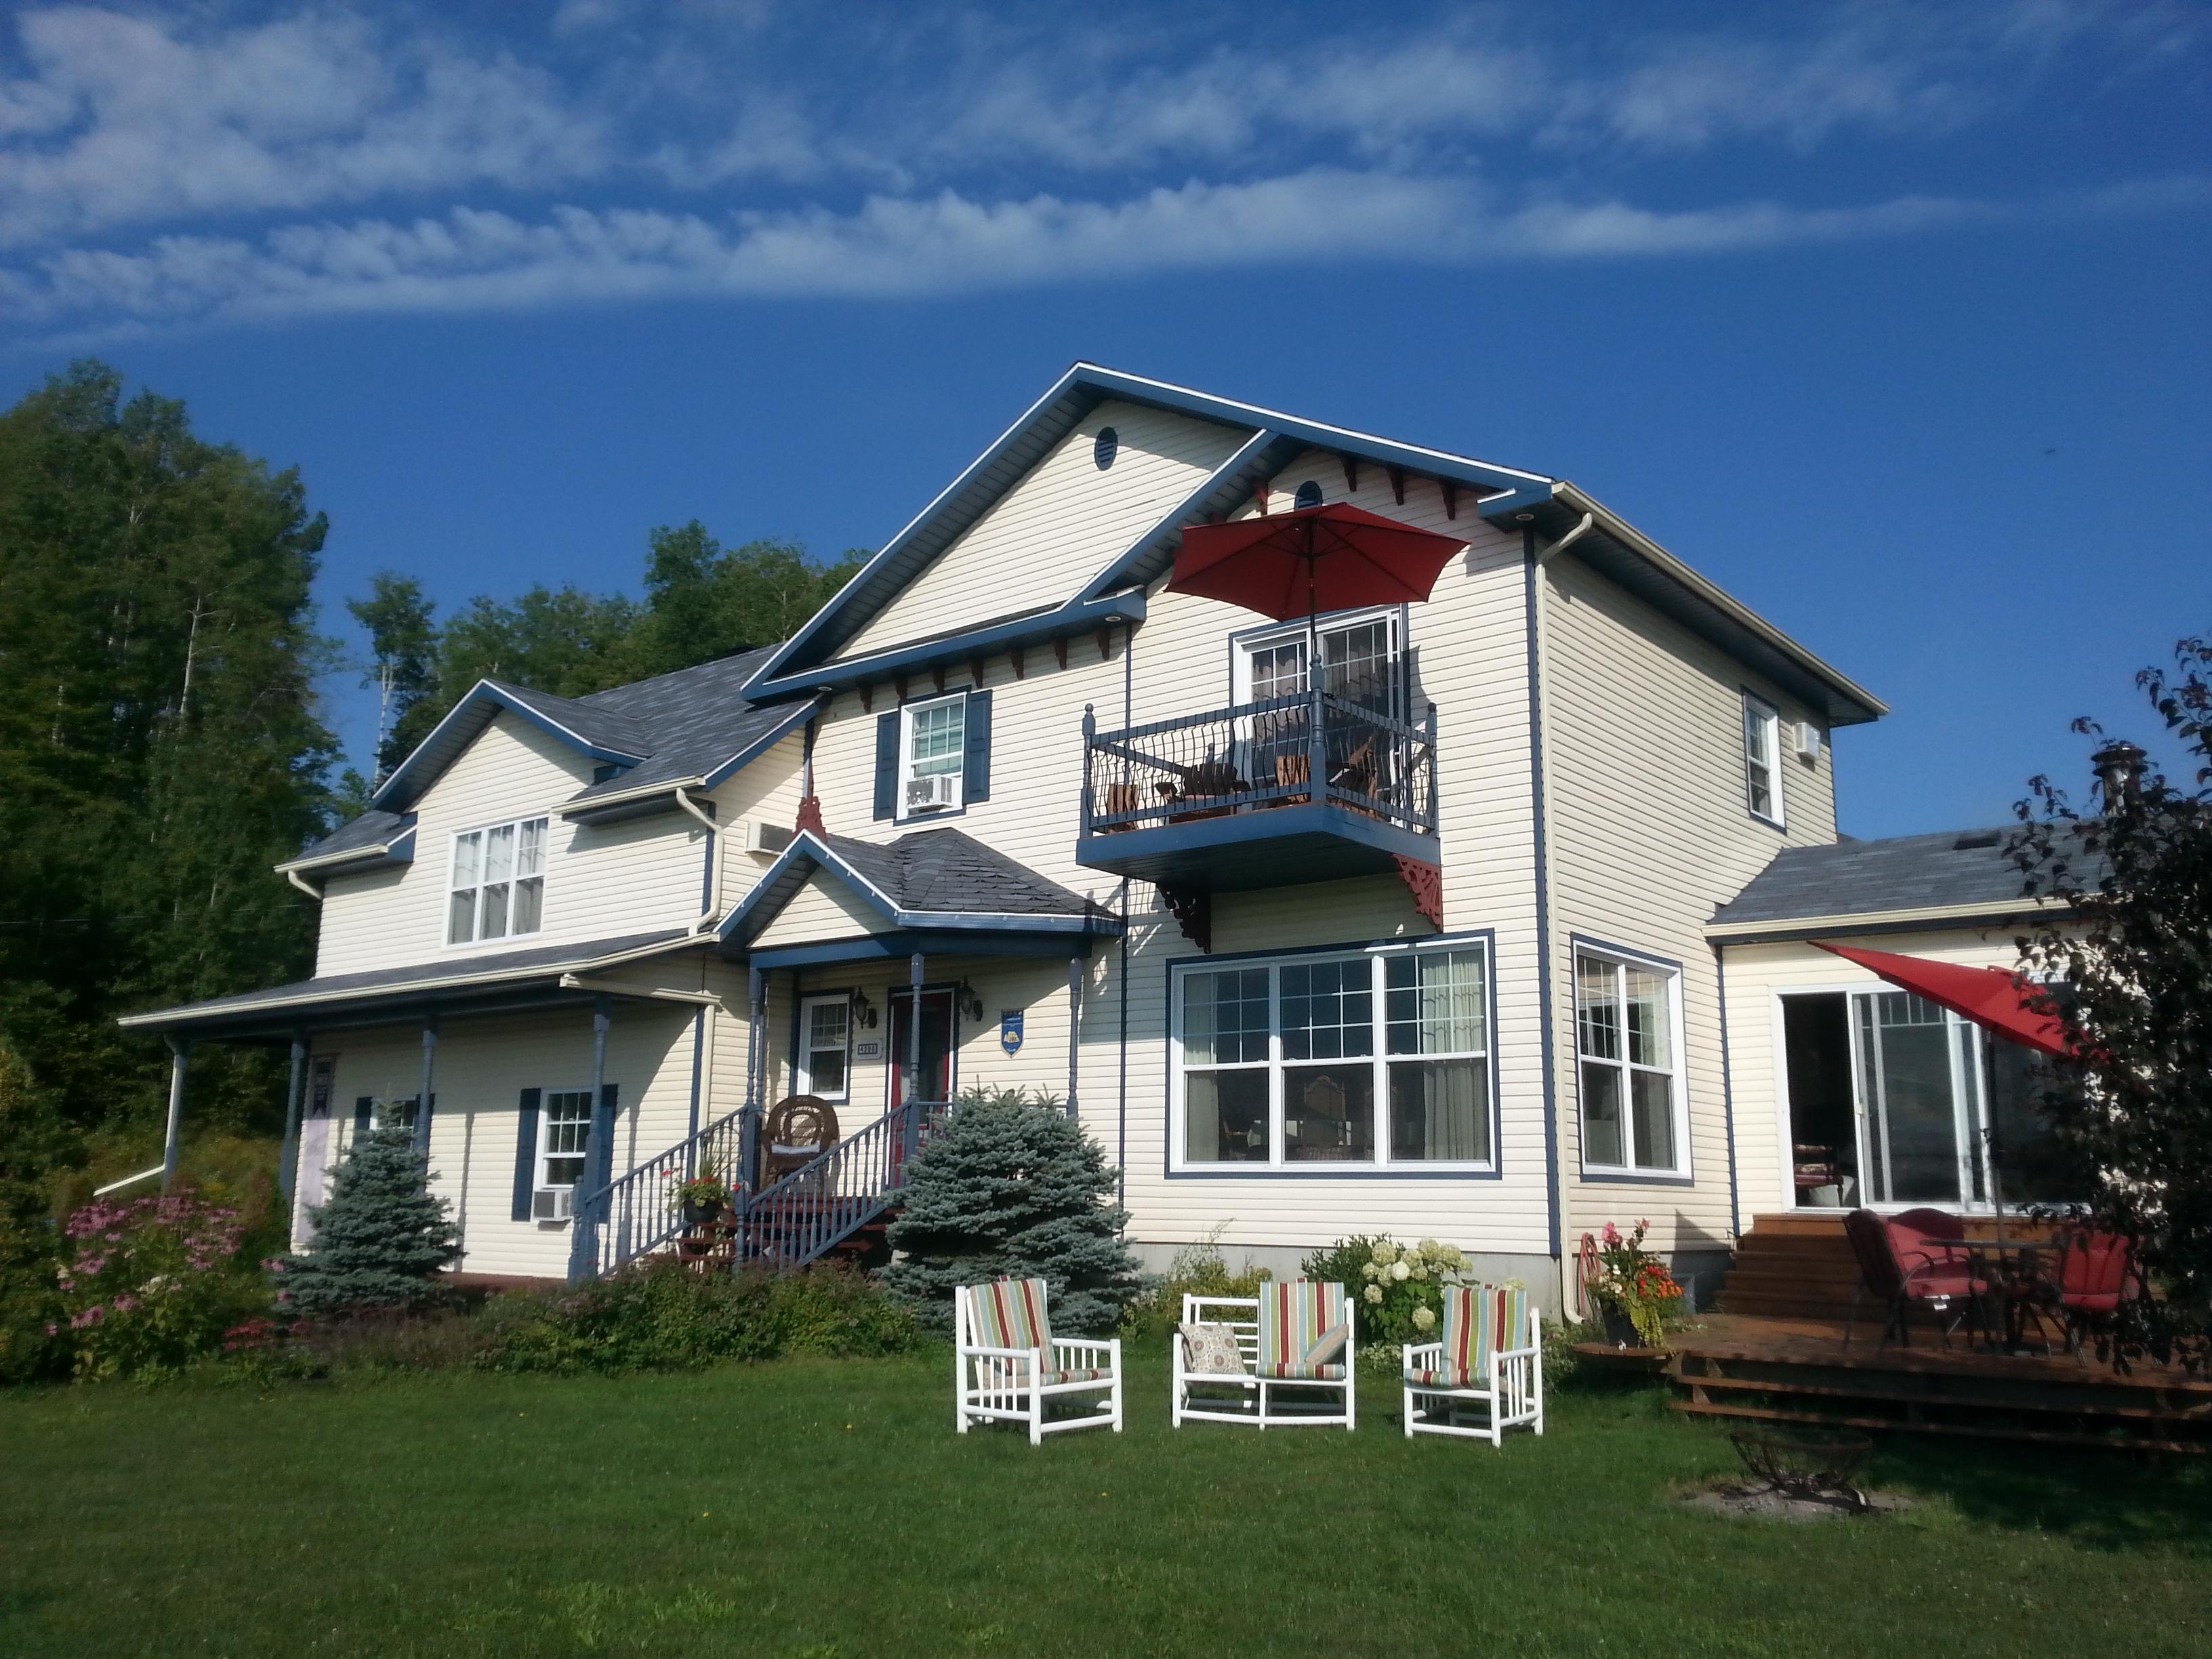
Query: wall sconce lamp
(863, 1012)
(971, 1005)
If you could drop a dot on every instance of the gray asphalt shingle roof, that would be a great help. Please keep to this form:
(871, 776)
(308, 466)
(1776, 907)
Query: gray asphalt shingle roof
(1959, 868)
(945, 872)
(373, 829)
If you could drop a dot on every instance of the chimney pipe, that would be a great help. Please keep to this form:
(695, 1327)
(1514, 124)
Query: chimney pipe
(2119, 769)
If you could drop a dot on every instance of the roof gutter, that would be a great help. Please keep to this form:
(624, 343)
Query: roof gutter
(705, 921)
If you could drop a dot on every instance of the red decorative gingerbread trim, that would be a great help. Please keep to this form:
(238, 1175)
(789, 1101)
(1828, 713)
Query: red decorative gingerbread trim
(1426, 881)
(810, 817)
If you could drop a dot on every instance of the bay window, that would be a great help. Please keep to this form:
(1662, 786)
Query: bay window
(1628, 1063)
(1377, 1057)
(497, 887)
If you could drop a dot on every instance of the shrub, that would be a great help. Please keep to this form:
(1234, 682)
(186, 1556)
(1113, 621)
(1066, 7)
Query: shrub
(151, 1286)
(1399, 1287)
(1197, 1270)
(661, 1316)
(379, 1239)
(1009, 1187)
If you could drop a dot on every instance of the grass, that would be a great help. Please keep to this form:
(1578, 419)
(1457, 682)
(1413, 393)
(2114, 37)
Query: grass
(813, 1509)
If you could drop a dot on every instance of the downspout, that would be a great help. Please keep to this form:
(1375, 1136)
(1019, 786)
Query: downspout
(1547, 1011)
(301, 882)
(714, 911)
(1566, 541)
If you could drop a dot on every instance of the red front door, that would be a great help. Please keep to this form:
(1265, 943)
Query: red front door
(936, 1044)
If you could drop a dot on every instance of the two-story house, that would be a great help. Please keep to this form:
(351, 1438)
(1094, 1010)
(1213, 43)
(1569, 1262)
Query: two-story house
(1009, 810)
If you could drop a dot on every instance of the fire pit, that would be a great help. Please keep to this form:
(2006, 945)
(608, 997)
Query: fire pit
(1818, 1465)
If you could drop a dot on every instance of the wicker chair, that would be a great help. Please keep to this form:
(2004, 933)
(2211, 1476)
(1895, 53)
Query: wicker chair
(798, 1130)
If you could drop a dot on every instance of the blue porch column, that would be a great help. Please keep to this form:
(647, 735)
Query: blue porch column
(585, 1224)
(180, 1048)
(422, 1095)
(288, 1155)
(1074, 1026)
(912, 1089)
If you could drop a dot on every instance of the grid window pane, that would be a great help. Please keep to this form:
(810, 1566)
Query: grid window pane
(1598, 1015)
(1601, 1139)
(1225, 1117)
(499, 854)
(1328, 1010)
(936, 738)
(529, 905)
(530, 848)
(1438, 1002)
(1278, 671)
(1439, 1110)
(1225, 1017)
(461, 916)
(495, 913)
(1650, 1029)
(468, 858)
(565, 1137)
(1758, 745)
(1329, 1114)
(1652, 1100)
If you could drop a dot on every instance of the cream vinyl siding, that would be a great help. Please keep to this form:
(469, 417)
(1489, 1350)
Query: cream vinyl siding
(482, 1066)
(826, 908)
(1061, 524)
(766, 791)
(1758, 975)
(629, 878)
(1650, 832)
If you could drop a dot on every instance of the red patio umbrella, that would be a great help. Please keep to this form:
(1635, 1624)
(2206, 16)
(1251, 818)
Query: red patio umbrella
(1988, 996)
(1332, 557)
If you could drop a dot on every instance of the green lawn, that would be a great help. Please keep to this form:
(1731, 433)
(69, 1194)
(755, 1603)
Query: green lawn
(816, 1509)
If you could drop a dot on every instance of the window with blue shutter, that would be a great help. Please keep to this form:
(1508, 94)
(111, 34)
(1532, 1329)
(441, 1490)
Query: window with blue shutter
(525, 1152)
(975, 769)
(364, 1114)
(887, 765)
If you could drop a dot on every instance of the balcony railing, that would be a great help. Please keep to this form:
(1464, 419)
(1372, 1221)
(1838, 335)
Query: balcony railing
(1257, 757)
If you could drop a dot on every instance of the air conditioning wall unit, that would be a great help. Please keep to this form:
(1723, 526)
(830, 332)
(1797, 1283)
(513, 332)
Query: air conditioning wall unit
(756, 836)
(1805, 740)
(553, 1204)
(933, 793)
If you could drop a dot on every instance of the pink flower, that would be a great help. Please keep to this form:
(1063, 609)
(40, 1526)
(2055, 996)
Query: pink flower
(53, 1330)
(125, 1303)
(1612, 1234)
(283, 1296)
(91, 1315)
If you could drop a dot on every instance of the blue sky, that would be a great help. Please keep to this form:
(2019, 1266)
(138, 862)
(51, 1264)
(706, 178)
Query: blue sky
(1894, 319)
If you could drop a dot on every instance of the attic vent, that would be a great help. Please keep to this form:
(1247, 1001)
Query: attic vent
(1105, 447)
(601, 774)
(1309, 494)
(1974, 838)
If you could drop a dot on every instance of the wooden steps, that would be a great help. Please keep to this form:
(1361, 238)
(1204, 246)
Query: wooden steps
(1797, 1370)
(1792, 1267)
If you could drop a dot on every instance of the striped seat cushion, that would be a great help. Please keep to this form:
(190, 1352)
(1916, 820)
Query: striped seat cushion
(1477, 1324)
(1304, 1328)
(1008, 1313)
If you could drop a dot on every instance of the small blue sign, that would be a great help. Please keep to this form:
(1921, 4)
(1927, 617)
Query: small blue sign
(1010, 1030)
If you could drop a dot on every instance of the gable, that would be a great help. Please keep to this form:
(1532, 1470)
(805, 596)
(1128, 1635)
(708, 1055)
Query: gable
(1062, 523)
(827, 907)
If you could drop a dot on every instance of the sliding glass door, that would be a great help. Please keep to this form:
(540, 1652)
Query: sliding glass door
(1920, 1101)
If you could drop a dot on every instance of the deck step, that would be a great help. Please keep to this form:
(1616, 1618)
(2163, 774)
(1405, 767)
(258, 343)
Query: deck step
(1970, 1431)
(1903, 1389)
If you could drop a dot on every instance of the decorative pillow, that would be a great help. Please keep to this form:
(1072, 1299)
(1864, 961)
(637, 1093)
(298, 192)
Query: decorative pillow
(1212, 1351)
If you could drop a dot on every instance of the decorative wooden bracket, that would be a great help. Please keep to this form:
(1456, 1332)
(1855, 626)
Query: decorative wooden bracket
(1019, 661)
(867, 697)
(1060, 648)
(1452, 497)
(899, 680)
(1397, 484)
(1105, 640)
(1351, 474)
(936, 674)
(1192, 910)
(1426, 881)
(810, 817)
(976, 671)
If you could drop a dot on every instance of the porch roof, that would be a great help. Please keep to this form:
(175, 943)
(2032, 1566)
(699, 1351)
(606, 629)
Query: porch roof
(478, 983)
(1904, 882)
(935, 890)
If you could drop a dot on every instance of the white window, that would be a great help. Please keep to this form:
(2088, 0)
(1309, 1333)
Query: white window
(825, 1048)
(498, 884)
(1372, 1057)
(386, 1114)
(1358, 655)
(1628, 1047)
(1762, 760)
(932, 752)
(564, 1135)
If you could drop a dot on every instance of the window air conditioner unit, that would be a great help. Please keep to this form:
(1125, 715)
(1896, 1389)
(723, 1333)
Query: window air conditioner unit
(1805, 740)
(929, 794)
(765, 839)
(553, 1204)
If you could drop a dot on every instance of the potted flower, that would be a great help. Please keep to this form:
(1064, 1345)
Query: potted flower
(1635, 1292)
(703, 1198)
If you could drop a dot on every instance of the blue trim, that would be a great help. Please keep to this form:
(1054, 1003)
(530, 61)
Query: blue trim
(1580, 942)
(484, 702)
(1123, 853)
(1728, 1093)
(1036, 627)
(1544, 989)
(698, 1049)
(1223, 491)
(904, 942)
(760, 746)
(1521, 498)
(1331, 1171)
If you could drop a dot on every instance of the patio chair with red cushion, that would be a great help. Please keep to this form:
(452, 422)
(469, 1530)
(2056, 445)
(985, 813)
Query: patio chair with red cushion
(1936, 1237)
(2096, 1275)
(1898, 1269)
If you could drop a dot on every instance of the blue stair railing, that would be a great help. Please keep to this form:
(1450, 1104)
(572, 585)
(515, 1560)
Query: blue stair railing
(639, 1211)
(819, 1205)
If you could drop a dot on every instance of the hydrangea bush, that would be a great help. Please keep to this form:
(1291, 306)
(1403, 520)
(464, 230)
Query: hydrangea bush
(1400, 1288)
(150, 1286)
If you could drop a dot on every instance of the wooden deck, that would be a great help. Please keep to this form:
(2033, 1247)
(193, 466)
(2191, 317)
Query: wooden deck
(1773, 1369)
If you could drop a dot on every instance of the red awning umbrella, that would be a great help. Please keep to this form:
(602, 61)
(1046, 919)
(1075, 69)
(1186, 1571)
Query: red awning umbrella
(1318, 558)
(1988, 996)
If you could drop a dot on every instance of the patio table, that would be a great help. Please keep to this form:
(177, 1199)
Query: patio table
(2014, 1273)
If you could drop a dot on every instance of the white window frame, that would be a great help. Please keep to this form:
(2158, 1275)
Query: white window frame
(1262, 639)
(1378, 957)
(906, 772)
(1619, 961)
(546, 1153)
(379, 1103)
(1763, 717)
(476, 936)
(808, 1048)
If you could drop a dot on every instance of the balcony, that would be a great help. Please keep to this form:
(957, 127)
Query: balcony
(1225, 801)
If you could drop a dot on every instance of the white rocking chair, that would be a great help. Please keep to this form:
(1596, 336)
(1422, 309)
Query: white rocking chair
(1008, 1364)
(1468, 1366)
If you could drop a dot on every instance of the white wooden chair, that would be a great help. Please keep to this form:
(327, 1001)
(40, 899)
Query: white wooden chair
(1008, 1364)
(1469, 1366)
(1298, 1336)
